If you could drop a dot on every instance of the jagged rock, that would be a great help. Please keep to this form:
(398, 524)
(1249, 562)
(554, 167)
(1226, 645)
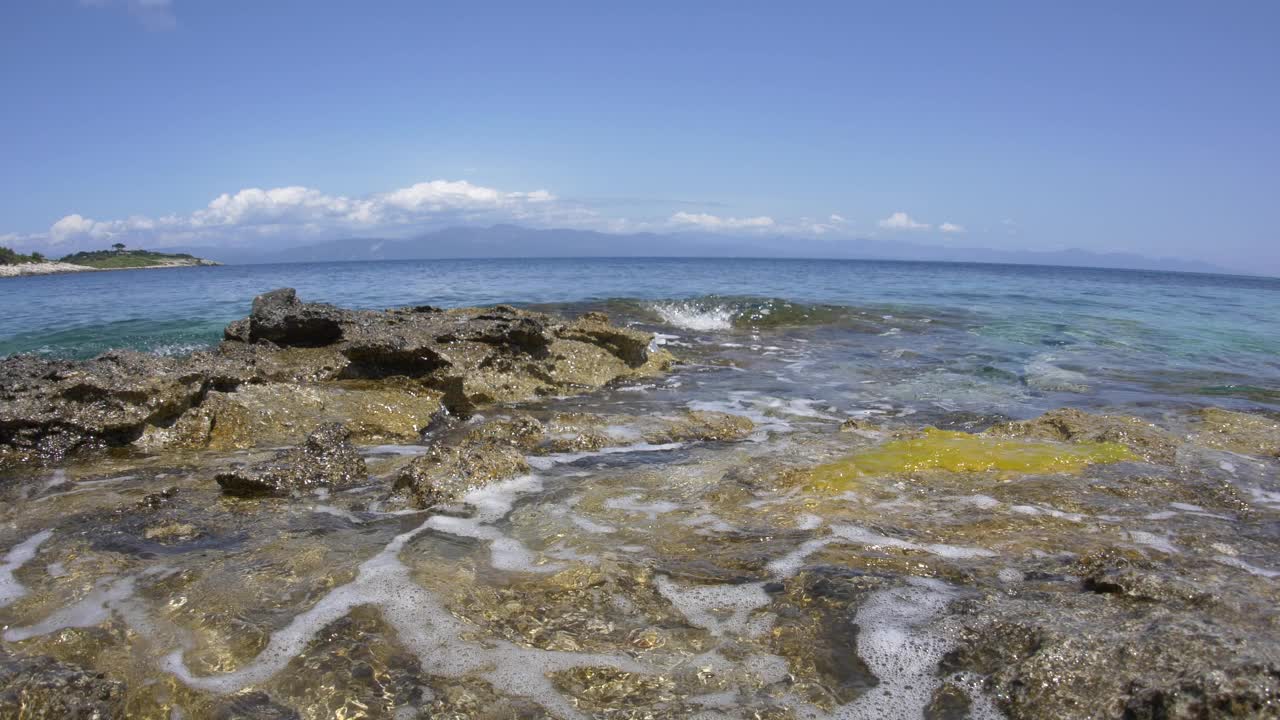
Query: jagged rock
(42, 688)
(446, 473)
(284, 413)
(234, 395)
(593, 328)
(50, 408)
(522, 431)
(704, 425)
(1070, 425)
(327, 460)
(279, 317)
(1239, 432)
(584, 432)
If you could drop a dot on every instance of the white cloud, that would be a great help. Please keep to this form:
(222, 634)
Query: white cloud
(308, 211)
(715, 222)
(902, 221)
(837, 219)
(947, 227)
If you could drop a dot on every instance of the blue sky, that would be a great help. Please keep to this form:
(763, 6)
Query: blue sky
(1140, 126)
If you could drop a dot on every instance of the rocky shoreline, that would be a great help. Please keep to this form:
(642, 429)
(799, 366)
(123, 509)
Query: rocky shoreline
(290, 366)
(58, 268)
(236, 503)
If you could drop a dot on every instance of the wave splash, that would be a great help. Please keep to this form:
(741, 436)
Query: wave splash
(713, 313)
(695, 316)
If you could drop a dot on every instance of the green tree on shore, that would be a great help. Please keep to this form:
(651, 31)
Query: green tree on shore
(9, 256)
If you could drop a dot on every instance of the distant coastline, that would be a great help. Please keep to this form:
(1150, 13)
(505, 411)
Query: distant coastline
(15, 265)
(514, 241)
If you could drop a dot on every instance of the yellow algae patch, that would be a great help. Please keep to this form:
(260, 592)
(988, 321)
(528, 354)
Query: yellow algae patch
(962, 452)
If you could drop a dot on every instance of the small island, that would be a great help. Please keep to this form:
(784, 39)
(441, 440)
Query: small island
(119, 257)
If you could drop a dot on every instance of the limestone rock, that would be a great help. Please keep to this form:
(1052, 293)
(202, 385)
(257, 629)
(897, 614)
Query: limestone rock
(1239, 432)
(445, 474)
(1070, 425)
(292, 366)
(327, 460)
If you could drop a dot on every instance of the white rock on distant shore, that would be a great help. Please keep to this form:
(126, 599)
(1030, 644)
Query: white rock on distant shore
(45, 268)
(50, 268)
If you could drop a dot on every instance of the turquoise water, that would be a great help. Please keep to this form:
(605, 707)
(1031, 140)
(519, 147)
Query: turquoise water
(1102, 336)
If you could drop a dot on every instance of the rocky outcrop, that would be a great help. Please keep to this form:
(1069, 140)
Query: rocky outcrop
(42, 688)
(586, 432)
(1239, 432)
(1070, 425)
(292, 366)
(49, 408)
(327, 461)
(282, 413)
(446, 473)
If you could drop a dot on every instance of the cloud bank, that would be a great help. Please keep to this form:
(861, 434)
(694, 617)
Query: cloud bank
(706, 221)
(254, 213)
(298, 215)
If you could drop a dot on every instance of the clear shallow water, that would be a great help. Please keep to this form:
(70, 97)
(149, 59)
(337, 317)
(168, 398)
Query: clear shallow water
(1129, 333)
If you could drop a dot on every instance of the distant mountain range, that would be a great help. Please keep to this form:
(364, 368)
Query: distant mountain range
(513, 241)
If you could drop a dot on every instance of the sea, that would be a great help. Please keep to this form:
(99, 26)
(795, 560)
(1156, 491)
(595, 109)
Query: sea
(1012, 339)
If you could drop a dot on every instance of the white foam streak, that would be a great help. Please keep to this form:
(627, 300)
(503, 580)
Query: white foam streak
(546, 462)
(18, 555)
(719, 608)
(423, 625)
(93, 610)
(790, 563)
(898, 649)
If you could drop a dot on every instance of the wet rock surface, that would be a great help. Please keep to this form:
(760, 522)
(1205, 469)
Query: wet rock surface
(327, 461)
(1071, 425)
(42, 688)
(1240, 432)
(278, 374)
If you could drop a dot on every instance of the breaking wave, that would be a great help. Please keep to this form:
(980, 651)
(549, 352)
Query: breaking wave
(720, 313)
(690, 316)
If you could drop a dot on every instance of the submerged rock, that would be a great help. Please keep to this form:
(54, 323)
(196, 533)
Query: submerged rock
(251, 705)
(1239, 432)
(327, 460)
(704, 425)
(1070, 425)
(959, 452)
(42, 688)
(1087, 655)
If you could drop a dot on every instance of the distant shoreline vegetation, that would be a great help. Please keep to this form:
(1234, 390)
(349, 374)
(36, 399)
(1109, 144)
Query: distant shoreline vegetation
(126, 258)
(8, 256)
(116, 258)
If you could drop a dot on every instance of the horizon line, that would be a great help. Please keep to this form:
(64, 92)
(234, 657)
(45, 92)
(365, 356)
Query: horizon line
(1224, 273)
